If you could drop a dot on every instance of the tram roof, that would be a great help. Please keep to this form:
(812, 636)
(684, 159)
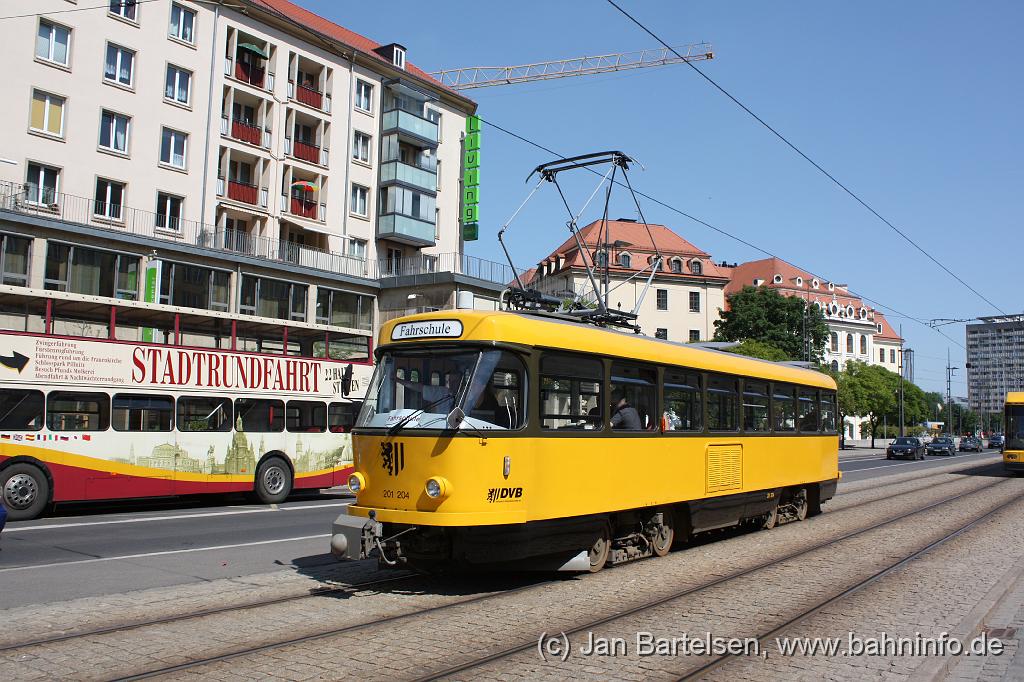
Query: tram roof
(535, 330)
(1015, 398)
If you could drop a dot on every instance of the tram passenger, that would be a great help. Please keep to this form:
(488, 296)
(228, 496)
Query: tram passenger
(624, 415)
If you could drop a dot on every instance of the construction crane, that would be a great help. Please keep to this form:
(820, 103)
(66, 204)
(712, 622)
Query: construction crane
(486, 76)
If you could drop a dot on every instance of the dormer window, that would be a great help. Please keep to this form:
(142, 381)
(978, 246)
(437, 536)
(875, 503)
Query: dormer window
(600, 259)
(799, 281)
(625, 260)
(676, 266)
(777, 279)
(398, 57)
(696, 267)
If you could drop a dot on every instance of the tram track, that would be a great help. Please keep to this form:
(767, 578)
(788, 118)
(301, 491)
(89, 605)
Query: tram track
(390, 620)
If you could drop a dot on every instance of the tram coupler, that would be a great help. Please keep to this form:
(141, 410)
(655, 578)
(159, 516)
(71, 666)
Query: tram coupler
(353, 537)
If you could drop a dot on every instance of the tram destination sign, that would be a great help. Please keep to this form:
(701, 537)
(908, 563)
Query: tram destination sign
(430, 329)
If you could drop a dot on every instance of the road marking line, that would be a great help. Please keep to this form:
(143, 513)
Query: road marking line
(17, 529)
(164, 553)
(903, 464)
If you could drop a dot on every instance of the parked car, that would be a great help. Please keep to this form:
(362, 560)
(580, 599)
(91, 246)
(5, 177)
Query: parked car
(971, 444)
(906, 446)
(996, 442)
(943, 445)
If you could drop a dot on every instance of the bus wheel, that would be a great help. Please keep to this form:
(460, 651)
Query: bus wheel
(273, 481)
(26, 491)
(664, 535)
(600, 550)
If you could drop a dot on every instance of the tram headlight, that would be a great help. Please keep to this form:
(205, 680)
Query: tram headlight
(437, 487)
(356, 482)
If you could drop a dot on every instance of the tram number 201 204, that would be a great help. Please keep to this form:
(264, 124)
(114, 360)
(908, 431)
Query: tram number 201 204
(397, 494)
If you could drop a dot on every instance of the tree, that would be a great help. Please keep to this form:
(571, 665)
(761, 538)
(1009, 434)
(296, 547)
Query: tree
(872, 392)
(758, 349)
(788, 323)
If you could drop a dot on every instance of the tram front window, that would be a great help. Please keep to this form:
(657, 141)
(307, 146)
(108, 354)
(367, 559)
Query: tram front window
(418, 388)
(1015, 427)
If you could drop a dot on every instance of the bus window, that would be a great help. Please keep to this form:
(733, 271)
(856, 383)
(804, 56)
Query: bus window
(808, 410)
(67, 411)
(259, 416)
(202, 413)
(684, 408)
(828, 412)
(495, 395)
(341, 417)
(21, 410)
(723, 399)
(634, 406)
(755, 406)
(306, 416)
(142, 412)
(570, 392)
(784, 407)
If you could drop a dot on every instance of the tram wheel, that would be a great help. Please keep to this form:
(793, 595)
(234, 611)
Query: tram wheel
(661, 543)
(800, 502)
(771, 519)
(600, 550)
(273, 481)
(25, 490)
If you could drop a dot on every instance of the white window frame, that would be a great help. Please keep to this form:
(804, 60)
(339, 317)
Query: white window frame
(121, 51)
(46, 113)
(357, 248)
(113, 128)
(364, 92)
(169, 197)
(356, 149)
(170, 23)
(398, 57)
(178, 72)
(124, 6)
(435, 116)
(39, 182)
(51, 43)
(354, 199)
(107, 204)
(184, 148)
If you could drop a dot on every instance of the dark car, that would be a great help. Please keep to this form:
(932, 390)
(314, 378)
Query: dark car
(971, 444)
(996, 442)
(905, 446)
(3, 516)
(942, 446)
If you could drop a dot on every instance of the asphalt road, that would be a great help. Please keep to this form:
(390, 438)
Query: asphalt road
(89, 549)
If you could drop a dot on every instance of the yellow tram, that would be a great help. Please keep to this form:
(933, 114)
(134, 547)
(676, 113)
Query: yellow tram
(1013, 446)
(495, 437)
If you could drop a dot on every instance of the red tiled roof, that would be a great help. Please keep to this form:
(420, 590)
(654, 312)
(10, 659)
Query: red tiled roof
(745, 274)
(887, 333)
(330, 29)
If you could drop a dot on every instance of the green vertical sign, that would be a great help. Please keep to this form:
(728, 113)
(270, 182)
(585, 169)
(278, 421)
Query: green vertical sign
(471, 180)
(150, 293)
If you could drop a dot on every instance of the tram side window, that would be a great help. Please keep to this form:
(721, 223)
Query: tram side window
(684, 408)
(723, 400)
(755, 407)
(495, 396)
(67, 411)
(306, 416)
(202, 413)
(142, 412)
(634, 405)
(828, 412)
(341, 417)
(21, 410)
(808, 410)
(570, 392)
(784, 407)
(259, 416)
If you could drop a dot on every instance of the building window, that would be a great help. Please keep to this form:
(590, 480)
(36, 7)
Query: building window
(109, 199)
(662, 295)
(835, 366)
(43, 184)
(625, 260)
(661, 333)
(696, 267)
(435, 116)
(273, 298)
(192, 286)
(892, 355)
(173, 147)
(79, 270)
(676, 266)
(406, 202)
(600, 259)
(359, 200)
(437, 175)
(179, 84)
(14, 259)
(47, 113)
(694, 335)
(183, 21)
(114, 131)
(398, 57)
(344, 309)
(127, 9)
(361, 147)
(357, 249)
(694, 301)
(52, 42)
(863, 344)
(364, 96)
(881, 355)
(834, 342)
(120, 64)
(168, 211)
(849, 344)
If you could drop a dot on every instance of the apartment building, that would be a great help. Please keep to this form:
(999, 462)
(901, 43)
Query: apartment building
(293, 168)
(995, 361)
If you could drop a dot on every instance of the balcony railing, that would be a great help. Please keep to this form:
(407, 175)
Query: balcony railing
(307, 152)
(404, 121)
(304, 208)
(421, 178)
(405, 229)
(15, 199)
(470, 266)
(250, 73)
(309, 96)
(246, 132)
(243, 191)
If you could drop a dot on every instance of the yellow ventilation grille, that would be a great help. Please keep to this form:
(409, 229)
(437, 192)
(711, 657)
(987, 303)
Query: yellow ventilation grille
(725, 467)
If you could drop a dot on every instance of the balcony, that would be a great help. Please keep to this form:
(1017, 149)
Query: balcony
(246, 132)
(307, 151)
(413, 176)
(244, 192)
(411, 124)
(303, 208)
(309, 96)
(405, 229)
(250, 73)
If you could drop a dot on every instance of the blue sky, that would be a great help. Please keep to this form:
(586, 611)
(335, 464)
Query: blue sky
(914, 105)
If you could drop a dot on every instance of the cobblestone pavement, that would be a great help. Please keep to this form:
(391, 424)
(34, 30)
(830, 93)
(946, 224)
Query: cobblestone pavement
(421, 643)
(1005, 621)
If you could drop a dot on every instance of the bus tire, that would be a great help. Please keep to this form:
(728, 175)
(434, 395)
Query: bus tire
(273, 480)
(26, 491)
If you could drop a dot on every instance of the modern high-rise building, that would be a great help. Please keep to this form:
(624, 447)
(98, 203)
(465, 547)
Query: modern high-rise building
(995, 361)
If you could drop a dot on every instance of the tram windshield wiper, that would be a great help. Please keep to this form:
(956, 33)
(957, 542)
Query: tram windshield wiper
(400, 424)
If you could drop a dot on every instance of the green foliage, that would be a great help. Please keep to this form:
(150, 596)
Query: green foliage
(763, 314)
(872, 392)
(758, 349)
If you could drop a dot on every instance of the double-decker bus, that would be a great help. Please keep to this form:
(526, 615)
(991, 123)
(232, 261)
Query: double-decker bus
(101, 401)
(1013, 447)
